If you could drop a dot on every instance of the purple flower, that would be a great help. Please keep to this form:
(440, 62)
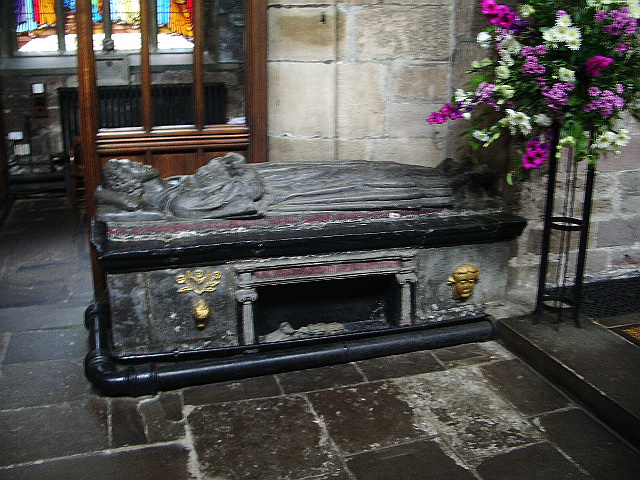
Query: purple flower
(594, 91)
(622, 23)
(621, 48)
(606, 104)
(541, 49)
(557, 96)
(532, 67)
(601, 16)
(595, 65)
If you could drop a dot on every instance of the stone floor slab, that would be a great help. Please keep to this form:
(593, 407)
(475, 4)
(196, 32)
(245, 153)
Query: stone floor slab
(319, 378)
(42, 383)
(271, 438)
(597, 366)
(40, 318)
(365, 416)
(525, 389)
(422, 460)
(152, 463)
(256, 387)
(466, 412)
(162, 416)
(46, 345)
(536, 462)
(54, 431)
(591, 445)
(466, 354)
(127, 427)
(395, 366)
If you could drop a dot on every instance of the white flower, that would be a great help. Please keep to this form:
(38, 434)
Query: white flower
(566, 75)
(622, 140)
(507, 91)
(567, 141)
(572, 38)
(481, 135)
(461, 96)
(511, 45)
(527, 11)
(573, 45)
(634, 8)
(505, 58)
(550, 36)
(485, 62)
(542, 119)
(563, 21)
(484, 39)
(610, 141)
(502, 72)
(466, 115)
(518, 120)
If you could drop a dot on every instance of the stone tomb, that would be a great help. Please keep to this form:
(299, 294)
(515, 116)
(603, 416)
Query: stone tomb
(269, 258)
(223, 283)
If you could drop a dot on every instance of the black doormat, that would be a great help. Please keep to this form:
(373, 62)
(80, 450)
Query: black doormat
(630, 332)
(611, 298)
(607, 298)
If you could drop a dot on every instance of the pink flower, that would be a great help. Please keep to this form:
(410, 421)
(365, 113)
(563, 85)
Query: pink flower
(500, 15)
(595, 65)
(446, 112)
(489, 7)
(536, 154)
(437, 117)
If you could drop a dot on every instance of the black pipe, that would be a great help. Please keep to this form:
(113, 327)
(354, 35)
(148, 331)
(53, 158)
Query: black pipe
(116, 378)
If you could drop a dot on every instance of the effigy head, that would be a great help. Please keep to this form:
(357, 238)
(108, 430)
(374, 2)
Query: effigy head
(123, 175)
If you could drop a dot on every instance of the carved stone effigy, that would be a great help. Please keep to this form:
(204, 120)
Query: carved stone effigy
(241, 255)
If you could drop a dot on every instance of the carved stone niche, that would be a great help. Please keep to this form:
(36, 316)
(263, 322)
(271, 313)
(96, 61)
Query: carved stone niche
(317, 296)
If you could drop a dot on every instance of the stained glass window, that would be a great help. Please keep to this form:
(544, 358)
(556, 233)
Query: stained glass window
(36, 24)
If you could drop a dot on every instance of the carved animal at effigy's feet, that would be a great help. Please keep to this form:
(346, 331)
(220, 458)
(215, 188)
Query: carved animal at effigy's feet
(228, 187)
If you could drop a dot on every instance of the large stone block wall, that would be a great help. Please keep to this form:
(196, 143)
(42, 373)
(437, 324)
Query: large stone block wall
(356, 79)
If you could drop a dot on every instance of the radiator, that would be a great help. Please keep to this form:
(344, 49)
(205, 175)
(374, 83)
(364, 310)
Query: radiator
(121, 106)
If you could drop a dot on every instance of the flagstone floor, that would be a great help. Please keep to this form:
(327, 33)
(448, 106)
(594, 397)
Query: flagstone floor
(472, 411)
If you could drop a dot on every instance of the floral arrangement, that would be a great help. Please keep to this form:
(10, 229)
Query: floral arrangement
(561, 74)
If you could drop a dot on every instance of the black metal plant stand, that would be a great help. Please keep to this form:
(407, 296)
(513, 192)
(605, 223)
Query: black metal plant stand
(560, 292)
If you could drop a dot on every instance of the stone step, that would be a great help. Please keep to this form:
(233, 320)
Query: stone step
(593, 364)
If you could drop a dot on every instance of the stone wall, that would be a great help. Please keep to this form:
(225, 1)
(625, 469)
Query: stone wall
(355, 79)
